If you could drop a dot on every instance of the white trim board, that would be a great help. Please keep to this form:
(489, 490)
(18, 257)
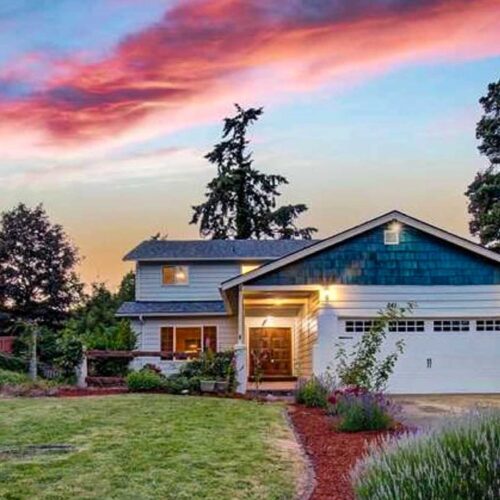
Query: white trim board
(355, 231)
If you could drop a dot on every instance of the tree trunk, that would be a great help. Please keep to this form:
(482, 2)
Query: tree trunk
(33, 359)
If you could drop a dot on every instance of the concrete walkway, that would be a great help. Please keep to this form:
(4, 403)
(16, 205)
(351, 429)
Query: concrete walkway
(427, 411)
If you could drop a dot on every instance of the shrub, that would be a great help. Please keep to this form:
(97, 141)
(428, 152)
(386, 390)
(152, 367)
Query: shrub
(210, 365)
(460, 460)
(13, 363)
(360, 410)
(313, 393)
(19, 384)
(12, 378)
(145, 380)
(177, 384)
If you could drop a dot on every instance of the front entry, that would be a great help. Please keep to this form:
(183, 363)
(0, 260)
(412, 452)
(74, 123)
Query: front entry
(271, 348)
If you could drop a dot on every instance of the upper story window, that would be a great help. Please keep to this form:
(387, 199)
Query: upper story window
(175, 275)
(391, 237)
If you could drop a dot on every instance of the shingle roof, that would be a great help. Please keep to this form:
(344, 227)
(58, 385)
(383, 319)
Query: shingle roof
(171, 308)
(215, 249)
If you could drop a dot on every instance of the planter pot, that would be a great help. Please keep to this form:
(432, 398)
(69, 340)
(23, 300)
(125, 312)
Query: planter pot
(222, 386)
(207, 385)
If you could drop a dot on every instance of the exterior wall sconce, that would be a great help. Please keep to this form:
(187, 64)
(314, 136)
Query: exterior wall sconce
(328, 294)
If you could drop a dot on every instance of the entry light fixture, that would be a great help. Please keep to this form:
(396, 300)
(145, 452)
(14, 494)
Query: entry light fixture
(328, 294)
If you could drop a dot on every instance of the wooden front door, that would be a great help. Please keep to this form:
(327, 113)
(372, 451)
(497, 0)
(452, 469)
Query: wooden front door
(272, 349)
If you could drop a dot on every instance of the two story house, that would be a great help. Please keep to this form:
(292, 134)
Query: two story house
(299, 300)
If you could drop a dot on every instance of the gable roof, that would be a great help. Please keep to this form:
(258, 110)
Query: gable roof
(182, 250)
(393, 216)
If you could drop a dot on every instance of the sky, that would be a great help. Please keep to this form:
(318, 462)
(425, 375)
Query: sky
(108, 106)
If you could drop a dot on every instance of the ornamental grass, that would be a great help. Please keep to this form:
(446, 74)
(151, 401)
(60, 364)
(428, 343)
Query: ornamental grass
(460, 460)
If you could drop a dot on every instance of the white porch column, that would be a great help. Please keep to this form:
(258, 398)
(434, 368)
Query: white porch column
(324, 348)
(240, 350)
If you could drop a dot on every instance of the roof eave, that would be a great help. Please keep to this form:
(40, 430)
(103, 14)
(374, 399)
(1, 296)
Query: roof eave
(162, 315)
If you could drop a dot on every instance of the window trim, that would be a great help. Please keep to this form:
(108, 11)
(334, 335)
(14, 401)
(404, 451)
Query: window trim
(419, 325)
(162, 277)
(484, 327)
(464, 325)
(391, 232)
(201, 327)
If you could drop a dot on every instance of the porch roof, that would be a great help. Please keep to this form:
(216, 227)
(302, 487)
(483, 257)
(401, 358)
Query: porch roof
(173, 308)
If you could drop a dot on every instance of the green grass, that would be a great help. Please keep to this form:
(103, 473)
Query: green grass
(146, 446)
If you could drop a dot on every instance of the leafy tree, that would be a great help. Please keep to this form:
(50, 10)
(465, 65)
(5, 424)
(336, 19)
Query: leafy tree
(362, 367)
(95, 326)
(484, 191)
(126, 290)
(37, 261)
(241, 200)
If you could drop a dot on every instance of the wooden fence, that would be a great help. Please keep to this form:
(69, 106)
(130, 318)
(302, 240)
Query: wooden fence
(7, 344)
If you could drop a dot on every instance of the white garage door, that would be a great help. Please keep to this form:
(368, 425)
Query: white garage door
(441, 355)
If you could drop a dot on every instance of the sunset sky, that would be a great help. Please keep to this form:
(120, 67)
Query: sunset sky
(108, 106)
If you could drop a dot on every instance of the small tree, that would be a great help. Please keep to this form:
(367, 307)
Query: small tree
(362, 367)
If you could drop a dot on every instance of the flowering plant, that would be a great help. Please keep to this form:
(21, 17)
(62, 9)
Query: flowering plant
(360, 409)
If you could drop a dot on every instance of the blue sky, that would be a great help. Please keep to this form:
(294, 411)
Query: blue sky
(108, 107)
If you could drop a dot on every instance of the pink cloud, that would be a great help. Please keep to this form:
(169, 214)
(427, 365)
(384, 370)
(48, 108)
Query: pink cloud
(203, 53)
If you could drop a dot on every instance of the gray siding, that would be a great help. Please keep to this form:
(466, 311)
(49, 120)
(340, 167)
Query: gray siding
(149, 332)
(204, 281)
(306, 334)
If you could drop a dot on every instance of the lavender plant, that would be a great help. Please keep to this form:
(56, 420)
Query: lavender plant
(460, 460)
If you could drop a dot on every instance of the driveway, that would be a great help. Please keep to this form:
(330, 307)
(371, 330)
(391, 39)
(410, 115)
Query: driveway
(427, 411)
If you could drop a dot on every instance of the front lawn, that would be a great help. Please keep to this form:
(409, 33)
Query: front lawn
(145, 446)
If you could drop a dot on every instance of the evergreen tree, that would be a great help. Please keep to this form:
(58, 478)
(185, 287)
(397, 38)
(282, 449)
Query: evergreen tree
(484, 191)
(241, 200)
(37, 267)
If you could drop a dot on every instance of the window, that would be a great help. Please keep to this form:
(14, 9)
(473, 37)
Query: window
(410, 325)
(186, 342)
(391, 237)
(488, 325)
(175, 275)
(246, 268)
(365, 325)
(451, 325)
(358, 326)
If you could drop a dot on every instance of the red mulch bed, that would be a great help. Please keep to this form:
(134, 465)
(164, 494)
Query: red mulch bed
(332, 453)
(68, 392)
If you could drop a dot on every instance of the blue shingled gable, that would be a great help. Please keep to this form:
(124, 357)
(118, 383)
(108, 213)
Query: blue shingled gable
(419, 259)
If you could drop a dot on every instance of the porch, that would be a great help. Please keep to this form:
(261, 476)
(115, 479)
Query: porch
(277, 335)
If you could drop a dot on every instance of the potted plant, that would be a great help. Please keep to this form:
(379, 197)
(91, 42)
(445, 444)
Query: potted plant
(222, 385)
(207, 385)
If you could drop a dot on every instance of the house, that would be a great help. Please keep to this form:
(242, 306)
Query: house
(301, 299)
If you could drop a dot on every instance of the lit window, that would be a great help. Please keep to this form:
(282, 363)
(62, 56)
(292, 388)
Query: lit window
(451, 325)
(246, 268)
(175, 275)
(187, 342)
(391, 237)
